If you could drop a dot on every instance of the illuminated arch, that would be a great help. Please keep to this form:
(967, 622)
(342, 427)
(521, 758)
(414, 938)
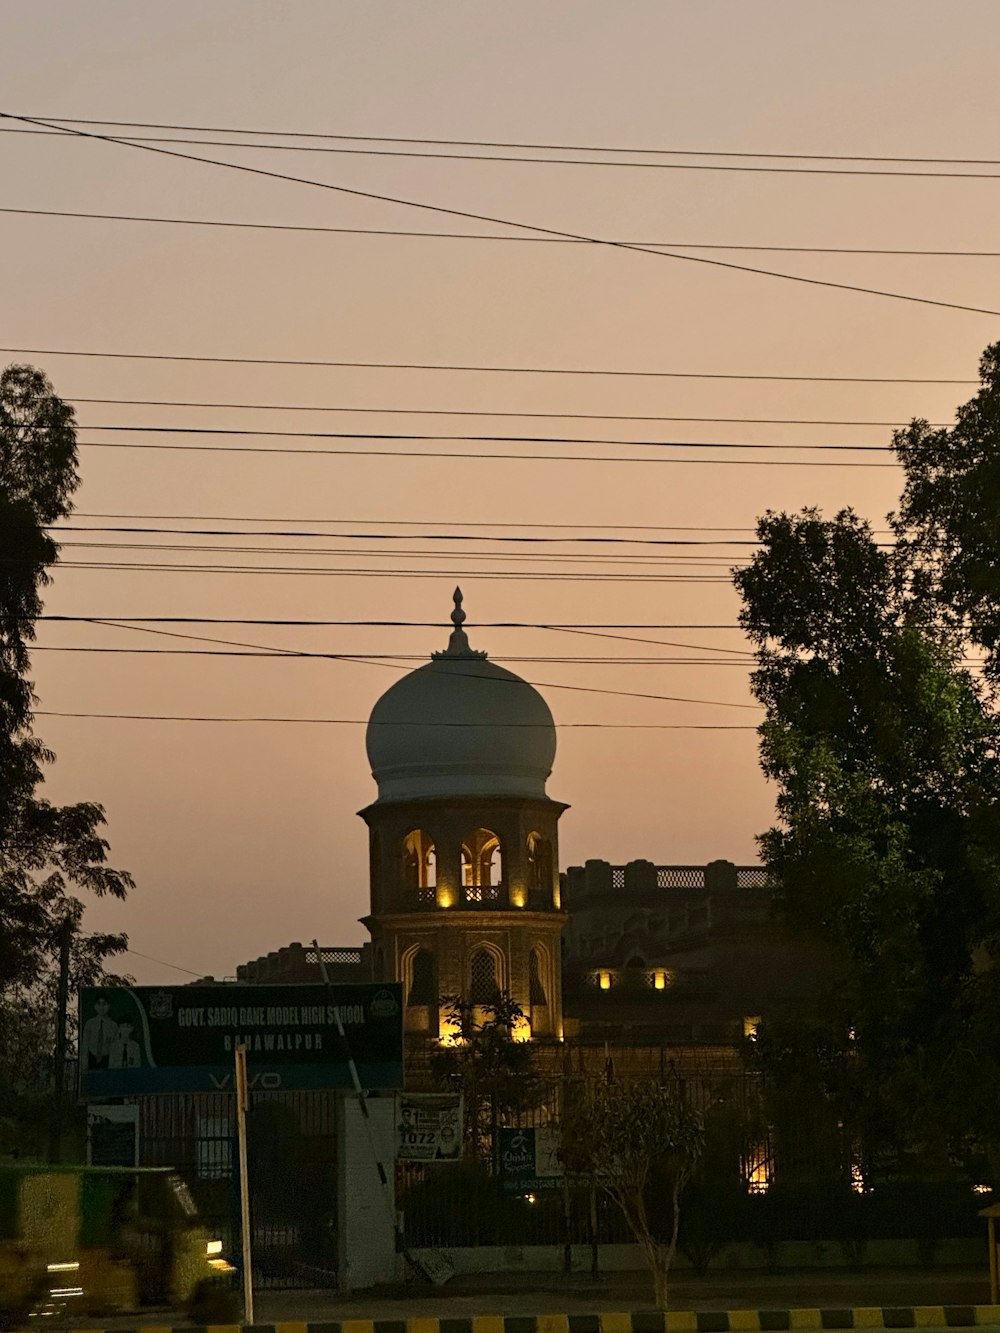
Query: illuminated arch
(482, 866)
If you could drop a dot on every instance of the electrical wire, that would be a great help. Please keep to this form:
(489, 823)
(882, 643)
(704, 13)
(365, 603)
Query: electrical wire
(59, 529)
(132, 566)
(668, 560)
(480, 236)
(506, 222)
(379, 658)
(478, 412)
(146, 140)
(364, 722)
(379, 624)
(484, 370)
(407, 437)
(502, 457)
(441, 523)
(547, 147)
(453, 670)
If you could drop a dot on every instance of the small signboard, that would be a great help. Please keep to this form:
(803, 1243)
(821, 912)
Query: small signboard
(529, 1159)
(428, 1127)
(150, 1039)
(113, 1136)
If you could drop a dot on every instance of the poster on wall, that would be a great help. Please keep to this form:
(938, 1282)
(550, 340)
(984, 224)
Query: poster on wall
(147, 1039)
(428, 1127)
(529, 1159)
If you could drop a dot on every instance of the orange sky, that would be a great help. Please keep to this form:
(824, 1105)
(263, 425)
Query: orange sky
(244, 837)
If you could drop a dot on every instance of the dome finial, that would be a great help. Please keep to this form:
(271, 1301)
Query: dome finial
(458, 642)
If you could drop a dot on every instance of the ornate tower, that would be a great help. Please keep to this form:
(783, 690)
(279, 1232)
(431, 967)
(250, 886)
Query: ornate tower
(463, 838)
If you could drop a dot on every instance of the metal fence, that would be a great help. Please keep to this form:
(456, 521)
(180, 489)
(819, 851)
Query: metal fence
(292, 1171)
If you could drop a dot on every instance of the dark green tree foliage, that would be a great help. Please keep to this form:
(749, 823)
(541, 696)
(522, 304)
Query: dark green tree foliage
(950, 511)
(887, 847)
(48, 853)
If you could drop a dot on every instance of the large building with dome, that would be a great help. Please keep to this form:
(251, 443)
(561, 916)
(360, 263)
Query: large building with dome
(467, 899)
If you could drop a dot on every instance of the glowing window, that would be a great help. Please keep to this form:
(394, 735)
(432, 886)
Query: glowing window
(419, 864)
(481, 867)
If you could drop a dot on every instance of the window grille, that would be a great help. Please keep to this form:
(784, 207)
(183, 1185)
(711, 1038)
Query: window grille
(334, 955)
(752, 877)
(680, 877)
(483, 987)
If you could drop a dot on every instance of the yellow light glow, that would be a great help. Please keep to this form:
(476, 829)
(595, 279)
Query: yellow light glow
(604, 980)
(659, 979)
(62, 1268)
(449, 1031)
(751, 1026)
(214, 1247)
(556, 898)
(518, 897)
(857, 1179)
(445, 896)
(520, 1029)
(758, 1176)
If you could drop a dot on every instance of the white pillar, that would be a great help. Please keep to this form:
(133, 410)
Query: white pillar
(366, 1209)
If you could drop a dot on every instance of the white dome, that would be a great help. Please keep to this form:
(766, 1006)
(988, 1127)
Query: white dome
(460, 726)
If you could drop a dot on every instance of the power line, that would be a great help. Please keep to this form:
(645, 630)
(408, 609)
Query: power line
(379, 658)
(59, 529)
(546, 147)
(380, 624)
(406, 437)
(363, 722)
(300, 571)
(480, 236)
(481, 369)
(146, 140)
(441, 523)
(479, 412)
(562, 557)
(507, 222)
(454, 670)
(504, 457)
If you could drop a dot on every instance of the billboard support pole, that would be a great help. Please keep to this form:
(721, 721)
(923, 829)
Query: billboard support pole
(242, 1100)
(426, 1270)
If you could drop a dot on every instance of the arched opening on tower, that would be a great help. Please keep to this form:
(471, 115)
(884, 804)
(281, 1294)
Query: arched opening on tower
(419, 867)
(539, 856)
(423, 979)
(482, 867)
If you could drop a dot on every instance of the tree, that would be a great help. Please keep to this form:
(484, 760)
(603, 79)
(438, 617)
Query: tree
(948, 514)
(640, 1142)
(884, 751)
(484, 1060)
(48, 853)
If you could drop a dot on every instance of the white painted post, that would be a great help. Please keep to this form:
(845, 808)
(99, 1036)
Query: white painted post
(242, 1101)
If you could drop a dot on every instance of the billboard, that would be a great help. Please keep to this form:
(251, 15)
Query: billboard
(428, 1126)
(149, 1039)
(529, 1159)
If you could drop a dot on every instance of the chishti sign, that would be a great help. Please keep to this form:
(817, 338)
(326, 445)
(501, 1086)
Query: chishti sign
(148, 1039)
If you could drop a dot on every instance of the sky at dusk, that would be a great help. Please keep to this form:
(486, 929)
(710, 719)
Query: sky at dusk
(243, 836)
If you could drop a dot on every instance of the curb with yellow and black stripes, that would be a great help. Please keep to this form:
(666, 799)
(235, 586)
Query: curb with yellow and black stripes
(640, 1321)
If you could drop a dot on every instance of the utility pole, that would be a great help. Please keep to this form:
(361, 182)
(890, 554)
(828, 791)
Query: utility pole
(65, 938)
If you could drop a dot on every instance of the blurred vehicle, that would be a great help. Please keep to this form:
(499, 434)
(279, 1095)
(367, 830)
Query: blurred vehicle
(106, 1240)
